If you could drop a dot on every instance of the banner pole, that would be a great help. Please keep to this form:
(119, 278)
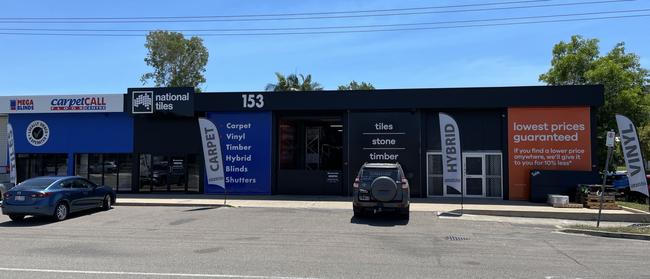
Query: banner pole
(602, 187)
(462, 199)
(225, 192)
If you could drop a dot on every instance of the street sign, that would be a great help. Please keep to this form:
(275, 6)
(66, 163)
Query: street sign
(610, 139)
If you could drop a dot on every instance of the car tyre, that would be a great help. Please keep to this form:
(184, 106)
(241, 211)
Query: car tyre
(107, 204)
(61, 211)
(405, 213)
(16, 217)
(358, 212)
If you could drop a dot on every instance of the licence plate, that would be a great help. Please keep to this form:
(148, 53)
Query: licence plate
(364, 198)
(20, 198)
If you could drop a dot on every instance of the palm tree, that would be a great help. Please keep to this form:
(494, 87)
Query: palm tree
(357, 86)
(293, 82)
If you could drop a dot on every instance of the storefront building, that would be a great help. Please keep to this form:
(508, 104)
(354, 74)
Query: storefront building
(310, 143)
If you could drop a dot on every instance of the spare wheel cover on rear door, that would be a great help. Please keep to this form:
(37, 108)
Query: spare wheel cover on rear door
(384, 188)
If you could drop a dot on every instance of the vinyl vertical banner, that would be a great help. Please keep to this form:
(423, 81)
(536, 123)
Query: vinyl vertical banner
(212, 153)
(12, 154)
(632, 153)
(451, 156)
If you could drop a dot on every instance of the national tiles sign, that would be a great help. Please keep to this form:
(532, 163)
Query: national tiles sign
(62, 103)
(178, 101)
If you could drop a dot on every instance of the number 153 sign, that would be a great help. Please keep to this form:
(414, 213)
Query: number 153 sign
(252, 100)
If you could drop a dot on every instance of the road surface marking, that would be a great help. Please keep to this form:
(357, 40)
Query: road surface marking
(147, 273)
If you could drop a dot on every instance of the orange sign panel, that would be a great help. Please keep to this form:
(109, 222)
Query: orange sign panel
(546, 139)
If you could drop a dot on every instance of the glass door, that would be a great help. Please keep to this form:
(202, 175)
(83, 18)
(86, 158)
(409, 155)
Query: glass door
(474, 175)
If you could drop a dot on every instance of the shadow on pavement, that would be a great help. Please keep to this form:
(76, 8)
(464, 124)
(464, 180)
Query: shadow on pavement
(384, 219)
(202, 208)
(35, 221)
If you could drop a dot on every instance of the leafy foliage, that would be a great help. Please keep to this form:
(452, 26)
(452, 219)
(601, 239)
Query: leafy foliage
(625, 81)
(293, 82)
(176, 61)
(357, 86)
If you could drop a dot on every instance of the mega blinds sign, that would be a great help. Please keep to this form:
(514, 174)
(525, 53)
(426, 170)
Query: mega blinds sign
(164, 100)
(62, 103)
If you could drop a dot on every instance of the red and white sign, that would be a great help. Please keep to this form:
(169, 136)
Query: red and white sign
(62, 103)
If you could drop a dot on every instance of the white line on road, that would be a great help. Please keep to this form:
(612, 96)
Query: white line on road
(146, 273)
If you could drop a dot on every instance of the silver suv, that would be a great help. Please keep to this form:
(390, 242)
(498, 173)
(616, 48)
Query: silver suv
(381, 187)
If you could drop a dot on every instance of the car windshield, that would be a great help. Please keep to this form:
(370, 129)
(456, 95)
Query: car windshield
(369, 174)
(36, 183)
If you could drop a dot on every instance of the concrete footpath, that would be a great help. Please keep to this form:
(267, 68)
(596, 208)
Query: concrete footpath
(471, 206)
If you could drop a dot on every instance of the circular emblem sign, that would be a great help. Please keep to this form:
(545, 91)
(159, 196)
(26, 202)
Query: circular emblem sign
(38, 133)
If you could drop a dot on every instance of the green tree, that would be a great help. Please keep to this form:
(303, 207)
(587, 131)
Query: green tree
(293, 82)
(176, 61)
(357, 86)
(579, 62)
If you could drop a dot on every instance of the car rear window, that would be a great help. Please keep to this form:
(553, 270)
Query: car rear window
(369, 174)
(36, 183)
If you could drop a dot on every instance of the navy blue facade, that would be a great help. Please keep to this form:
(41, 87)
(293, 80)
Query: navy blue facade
(246, 147)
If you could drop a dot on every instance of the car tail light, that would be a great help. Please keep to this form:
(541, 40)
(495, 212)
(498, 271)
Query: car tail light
(41, 195)
(405, 183)
(356, 183)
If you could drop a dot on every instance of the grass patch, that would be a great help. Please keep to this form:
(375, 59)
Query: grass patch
(631, 229)
(639, 206)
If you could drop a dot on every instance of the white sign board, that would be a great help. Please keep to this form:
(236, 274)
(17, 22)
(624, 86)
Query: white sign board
(62, 103)
(610, 139)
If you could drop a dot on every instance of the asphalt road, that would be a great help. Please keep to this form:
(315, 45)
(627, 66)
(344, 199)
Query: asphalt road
(184, 242)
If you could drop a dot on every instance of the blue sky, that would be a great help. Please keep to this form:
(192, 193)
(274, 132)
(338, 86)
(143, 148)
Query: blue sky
(466, 57)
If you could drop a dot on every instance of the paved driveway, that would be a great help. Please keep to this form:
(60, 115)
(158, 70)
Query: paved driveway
(186, 242)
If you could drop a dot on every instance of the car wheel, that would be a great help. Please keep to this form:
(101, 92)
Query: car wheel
(358, 212)
(405, 213)
(107, 203)
(16, 217)
(61, 212)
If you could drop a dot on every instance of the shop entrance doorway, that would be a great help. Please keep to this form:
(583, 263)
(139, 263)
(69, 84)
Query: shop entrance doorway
(310, 155)
(161, 173)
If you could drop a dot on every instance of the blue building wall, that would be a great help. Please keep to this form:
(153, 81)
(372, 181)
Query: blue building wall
(247, 171)
(76, 133)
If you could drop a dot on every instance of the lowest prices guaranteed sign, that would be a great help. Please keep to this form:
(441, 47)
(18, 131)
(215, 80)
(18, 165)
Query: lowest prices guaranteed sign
(546, 139)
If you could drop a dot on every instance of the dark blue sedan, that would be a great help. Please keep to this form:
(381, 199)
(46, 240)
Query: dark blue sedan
(55, 196)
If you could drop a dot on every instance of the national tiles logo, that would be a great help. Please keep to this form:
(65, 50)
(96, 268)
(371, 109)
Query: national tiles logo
(142, 102)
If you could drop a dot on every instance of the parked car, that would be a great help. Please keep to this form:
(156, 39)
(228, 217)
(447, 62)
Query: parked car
(381, 187)
(107, 167)
(55, 196)
(618, 179)
(4, 187)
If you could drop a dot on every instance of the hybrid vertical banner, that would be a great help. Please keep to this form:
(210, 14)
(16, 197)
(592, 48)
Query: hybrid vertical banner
(212, 153)
(451, 156)
(12, 155)
(632, 153)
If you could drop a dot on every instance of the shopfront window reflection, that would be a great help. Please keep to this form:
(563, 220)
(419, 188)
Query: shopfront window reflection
(125, 169)
(106, 169)
(146, 172)
(95, 168)
(33, 165)
(110, 170)
(161, 173)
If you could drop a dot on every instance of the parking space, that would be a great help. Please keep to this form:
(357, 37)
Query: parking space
(163, 242)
